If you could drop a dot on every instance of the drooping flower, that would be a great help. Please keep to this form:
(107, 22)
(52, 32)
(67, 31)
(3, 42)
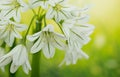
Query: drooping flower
(9, 30)
(77, 34)
(79, 24)
(19, 57)
(47, 40)
(12, 8)
(72, 55)
(59, 11)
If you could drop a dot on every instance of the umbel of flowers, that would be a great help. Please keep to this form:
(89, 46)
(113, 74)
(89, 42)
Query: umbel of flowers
(72, 21)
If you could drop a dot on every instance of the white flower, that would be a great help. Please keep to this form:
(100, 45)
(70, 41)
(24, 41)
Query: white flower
(59, 11)
(79, 17)
(77, 34)
(12, 8)
(47, 40)
(9, 30)
(2, 50)
(72, 55)
(19, 57)
(43, 3)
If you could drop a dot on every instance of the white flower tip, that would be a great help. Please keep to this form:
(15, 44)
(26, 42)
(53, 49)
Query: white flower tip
(49, 28)
(60, 65)
(48, 56)
(26, 72)
(29, 38)
(33, 51)
(86, 56)
(13, 68)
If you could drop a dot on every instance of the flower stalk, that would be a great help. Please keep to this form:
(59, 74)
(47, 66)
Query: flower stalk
(36, 58)
(36, 64)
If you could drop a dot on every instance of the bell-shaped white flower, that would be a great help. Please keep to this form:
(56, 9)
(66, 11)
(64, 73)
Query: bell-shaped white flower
(19, 57)
(12, 8)
(47, 40)
(9, 30)
(59, 11)
(77, 34)
(72, 55)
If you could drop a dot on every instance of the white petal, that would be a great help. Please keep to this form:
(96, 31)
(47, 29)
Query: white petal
(13, 68)
(50, 13)
(5, 60)
(84, 54)
(20, 55)
(48, 50)
(49, 28)
(23, 5)
(34, 3)
(59, 36)
(26, 67)
(34, 36)
(20, 27)
(83, 19)
(81, 37)
(87, 28)
(58, 43)
(17, 15)
(9, 39)
(68, 59)
(16, 34)
(38, 45)
(3, 34)
(8, 13)
(66, 31)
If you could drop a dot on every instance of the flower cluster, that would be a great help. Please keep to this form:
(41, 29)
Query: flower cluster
(72, 21)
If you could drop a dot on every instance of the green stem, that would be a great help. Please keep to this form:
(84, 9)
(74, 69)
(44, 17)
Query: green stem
(33, 11)
(39, 10)
(36, 57)
(36, 65)
(29, 28)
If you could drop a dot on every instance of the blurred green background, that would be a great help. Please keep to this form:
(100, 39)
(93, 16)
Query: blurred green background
(103, 49)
